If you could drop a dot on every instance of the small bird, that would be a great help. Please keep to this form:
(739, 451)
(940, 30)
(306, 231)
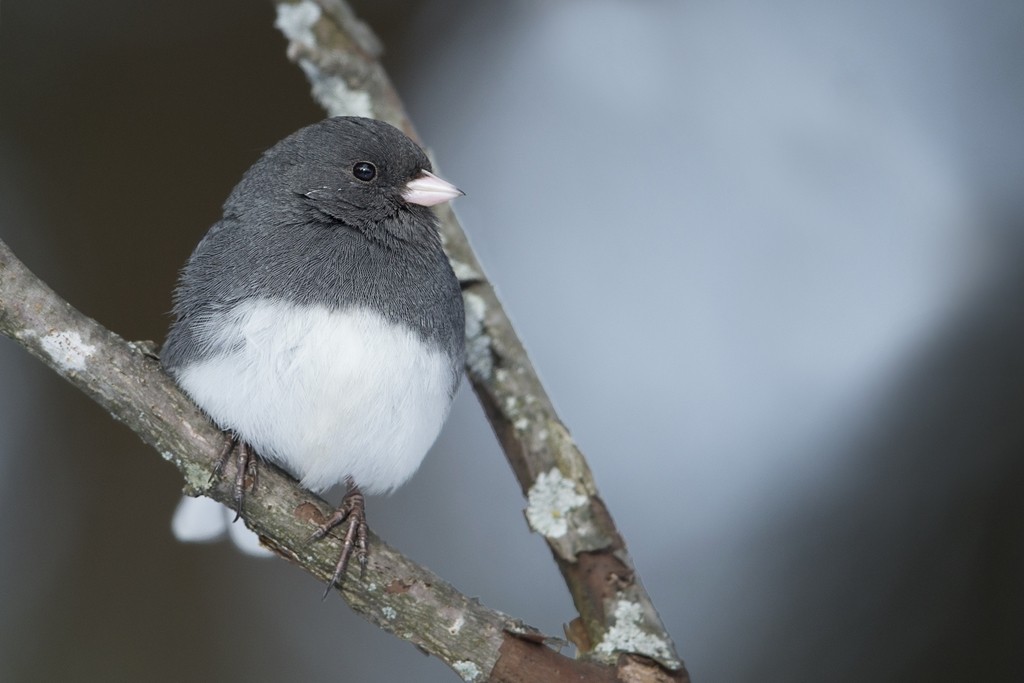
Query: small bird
(319, 322)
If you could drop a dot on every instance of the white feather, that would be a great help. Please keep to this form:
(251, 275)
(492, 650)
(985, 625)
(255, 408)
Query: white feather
(200, 520)
(326, 394)
(244, 538)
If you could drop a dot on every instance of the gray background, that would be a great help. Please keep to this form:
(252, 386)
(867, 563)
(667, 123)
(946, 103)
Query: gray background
(767, 258)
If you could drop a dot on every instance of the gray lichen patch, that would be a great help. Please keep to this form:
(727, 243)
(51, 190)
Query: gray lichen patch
(559, 507)
(67, 350)
(457, 625)
(479, 360)
(296, 23)
(466, 273)
(630, 634)
(519, 410)
(468, 670)
(335, 95)
(551, 499)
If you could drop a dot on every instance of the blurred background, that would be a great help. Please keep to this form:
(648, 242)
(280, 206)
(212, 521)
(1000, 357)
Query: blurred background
(768, 258)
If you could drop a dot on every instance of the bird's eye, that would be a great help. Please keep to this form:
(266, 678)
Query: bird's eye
(364, 171)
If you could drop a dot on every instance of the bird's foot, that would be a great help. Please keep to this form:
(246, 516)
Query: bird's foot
(245, 463)
(352, 514)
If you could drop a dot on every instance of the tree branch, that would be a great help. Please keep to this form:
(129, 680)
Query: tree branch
(393, 592)
(339, 56)
(619, 629)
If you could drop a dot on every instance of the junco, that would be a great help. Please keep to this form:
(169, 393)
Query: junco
(319, 322)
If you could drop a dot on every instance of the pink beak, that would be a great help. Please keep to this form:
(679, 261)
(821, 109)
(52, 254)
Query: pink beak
(427, 189)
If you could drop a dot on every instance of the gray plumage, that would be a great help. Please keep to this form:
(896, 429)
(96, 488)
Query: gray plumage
(319, 319)
(299, 227)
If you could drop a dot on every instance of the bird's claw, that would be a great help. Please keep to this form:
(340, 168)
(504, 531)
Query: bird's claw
(352, 514)
(245, 463)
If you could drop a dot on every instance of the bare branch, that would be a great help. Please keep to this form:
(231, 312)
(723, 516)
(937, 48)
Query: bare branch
(619, 628)
(339, 56)
(393, 592)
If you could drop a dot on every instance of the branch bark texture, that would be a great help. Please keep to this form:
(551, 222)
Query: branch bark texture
(393, 592)
(339, 56)
(619, 632)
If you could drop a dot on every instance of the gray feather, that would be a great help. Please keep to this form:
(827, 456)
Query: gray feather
(299, 227)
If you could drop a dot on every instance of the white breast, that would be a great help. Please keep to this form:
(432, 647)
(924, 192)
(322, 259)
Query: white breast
(326, 394)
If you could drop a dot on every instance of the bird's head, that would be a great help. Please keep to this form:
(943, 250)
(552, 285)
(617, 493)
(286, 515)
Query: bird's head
(354, 172)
